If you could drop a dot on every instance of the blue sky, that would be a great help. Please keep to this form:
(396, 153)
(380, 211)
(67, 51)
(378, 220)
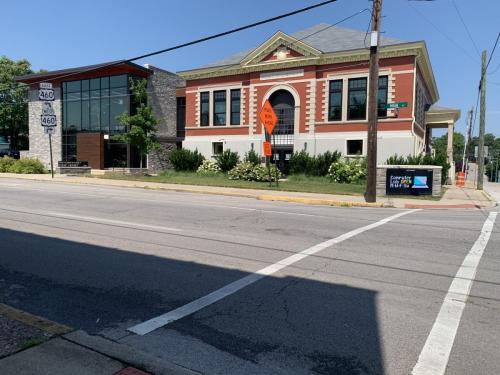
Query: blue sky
(60, 34)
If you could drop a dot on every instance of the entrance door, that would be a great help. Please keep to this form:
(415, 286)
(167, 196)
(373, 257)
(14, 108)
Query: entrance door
(282, 158)
(283, 104)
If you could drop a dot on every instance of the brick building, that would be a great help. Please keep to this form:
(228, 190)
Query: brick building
(88, 101)
(317, 83)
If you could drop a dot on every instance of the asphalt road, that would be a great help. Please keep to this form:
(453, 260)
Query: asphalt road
(299, 289)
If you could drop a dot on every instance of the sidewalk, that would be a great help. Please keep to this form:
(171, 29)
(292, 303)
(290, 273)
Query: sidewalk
(493, 189)
(453, 198)
(31, 345)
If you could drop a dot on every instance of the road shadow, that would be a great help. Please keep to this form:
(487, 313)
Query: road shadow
(323, 327)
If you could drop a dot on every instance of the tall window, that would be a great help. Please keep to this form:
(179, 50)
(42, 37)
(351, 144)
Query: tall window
(335, 101)
(181, 116)
(382, 96)
(235, 106)
(220, 107)
(204, 108)
(357, 99)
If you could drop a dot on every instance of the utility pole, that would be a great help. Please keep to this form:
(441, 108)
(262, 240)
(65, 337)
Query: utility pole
(371, 154)
(482, 112)
(467, 140)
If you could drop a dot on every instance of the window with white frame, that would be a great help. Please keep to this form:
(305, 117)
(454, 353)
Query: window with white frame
(354, 147)
(235, 106)
(335, 100)
(219, 108)
(217, 148)
(204, 108)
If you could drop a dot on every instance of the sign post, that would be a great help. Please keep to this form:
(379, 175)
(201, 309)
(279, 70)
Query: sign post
(269, 120)
(48, 117)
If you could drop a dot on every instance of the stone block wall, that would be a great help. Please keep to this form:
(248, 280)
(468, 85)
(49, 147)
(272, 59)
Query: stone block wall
(162, 87)
(382, 175)
(38, 140)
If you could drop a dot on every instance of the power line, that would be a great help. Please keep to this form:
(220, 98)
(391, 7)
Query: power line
(466, 28)
(493, 51)
(442, 32)
(197, 41)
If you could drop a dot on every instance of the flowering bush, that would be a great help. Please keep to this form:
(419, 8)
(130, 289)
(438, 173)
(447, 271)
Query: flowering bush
(251, 172)
(347, 171)
(208, 167)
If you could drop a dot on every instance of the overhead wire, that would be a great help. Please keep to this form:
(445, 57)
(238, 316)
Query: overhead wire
(193, 42)
(465, 26)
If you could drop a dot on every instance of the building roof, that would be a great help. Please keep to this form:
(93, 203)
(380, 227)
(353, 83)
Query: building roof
(70, 72)
(324, 37)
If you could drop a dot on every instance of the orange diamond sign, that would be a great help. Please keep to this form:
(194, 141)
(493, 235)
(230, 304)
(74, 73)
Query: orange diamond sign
(268, 117)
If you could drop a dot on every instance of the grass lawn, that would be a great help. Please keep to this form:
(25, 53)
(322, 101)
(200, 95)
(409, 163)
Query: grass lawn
(298, 183)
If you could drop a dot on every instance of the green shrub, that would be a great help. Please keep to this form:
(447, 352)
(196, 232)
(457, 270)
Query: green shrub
(251, 172)
(27, 166)
(186, 160)
(252, 157)
(303, 163)
(208, 167)
(347, 171)
(300, 163)
(6, 163)
(322, 162)
(439, 160)
(227, 160)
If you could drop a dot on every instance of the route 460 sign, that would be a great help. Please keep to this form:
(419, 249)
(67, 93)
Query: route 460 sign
(46, 94)
(48, 120)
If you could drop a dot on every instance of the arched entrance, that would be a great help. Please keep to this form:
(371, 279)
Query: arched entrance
(283, 104)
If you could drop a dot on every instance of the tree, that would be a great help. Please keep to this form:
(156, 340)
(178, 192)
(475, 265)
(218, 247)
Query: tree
(441, 144)
(14, 102)
(141, 126)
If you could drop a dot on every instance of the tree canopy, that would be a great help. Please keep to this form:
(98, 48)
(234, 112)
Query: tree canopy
(14, 102)
(440, 144)
(141, 126)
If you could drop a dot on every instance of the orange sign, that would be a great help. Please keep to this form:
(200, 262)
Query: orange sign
(268, 117)
(267, 149)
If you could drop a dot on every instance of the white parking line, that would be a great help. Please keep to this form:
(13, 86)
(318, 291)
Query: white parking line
(436, 352)
(183, 311)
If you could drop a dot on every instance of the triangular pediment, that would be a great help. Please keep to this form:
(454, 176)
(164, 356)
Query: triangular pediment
(280, 47)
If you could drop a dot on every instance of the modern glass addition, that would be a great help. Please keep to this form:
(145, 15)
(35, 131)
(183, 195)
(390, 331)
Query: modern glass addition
(92, 105)
(219, 108)
(204, 108)
(357, 99)
(335, 100)
(235, 106)
(382, 96)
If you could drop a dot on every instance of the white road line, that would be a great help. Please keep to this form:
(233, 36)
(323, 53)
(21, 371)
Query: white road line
(436, 352)
(190, 308)
(95, 220)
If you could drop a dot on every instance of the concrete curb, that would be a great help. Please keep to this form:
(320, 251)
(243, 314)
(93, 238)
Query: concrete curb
(315, 201)
(42, 324)
(126, 354)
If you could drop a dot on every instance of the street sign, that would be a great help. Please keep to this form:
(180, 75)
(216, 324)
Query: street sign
(47, 108)
(48, 120)
(396, 105)
(268, 117)
(45, 85)
(46, 94)
(49, 130)
(267, 149)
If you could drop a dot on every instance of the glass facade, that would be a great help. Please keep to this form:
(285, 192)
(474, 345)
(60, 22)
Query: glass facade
(93, 105)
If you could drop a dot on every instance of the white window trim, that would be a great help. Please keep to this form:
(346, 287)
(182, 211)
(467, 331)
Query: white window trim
(363, 146)
(210, 91)
(345, 94)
